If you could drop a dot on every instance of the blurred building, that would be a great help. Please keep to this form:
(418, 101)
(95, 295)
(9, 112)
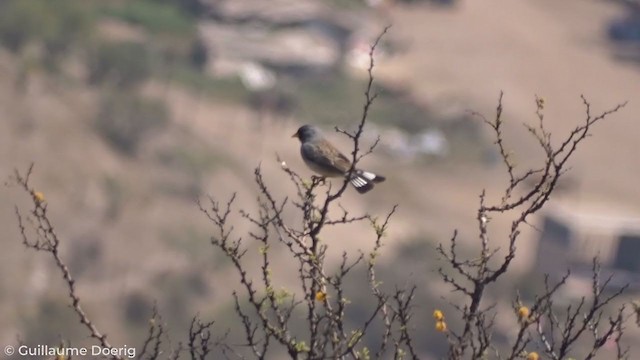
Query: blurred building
(573, 234)
(283, 36)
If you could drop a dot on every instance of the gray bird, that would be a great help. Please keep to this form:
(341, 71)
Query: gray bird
(324, 159)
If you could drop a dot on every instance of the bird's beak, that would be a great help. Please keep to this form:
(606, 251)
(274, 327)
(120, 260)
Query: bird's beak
(295, 135)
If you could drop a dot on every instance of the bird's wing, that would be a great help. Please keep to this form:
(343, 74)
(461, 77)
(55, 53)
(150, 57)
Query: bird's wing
(327, 155)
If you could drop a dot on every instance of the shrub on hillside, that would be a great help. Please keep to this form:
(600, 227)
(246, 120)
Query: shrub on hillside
(123, 64)
(125, 120)
(56, 26)
(158, 17)
(194, 7)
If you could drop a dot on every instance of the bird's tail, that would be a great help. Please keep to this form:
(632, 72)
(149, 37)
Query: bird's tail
(364, 181)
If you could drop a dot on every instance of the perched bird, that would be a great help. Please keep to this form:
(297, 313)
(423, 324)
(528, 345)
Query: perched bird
(323, 158)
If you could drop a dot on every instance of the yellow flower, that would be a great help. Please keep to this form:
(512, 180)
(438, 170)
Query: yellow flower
(533, 356)
(38, 197)
(441, 326)
(321, 296)
(523, 312)
(438, 315)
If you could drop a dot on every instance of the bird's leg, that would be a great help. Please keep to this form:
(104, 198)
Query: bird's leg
(318, 179)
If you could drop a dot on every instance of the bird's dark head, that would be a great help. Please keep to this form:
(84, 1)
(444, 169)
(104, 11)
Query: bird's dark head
(306, 132)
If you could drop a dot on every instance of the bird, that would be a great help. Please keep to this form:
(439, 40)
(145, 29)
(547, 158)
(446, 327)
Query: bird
(323, 158)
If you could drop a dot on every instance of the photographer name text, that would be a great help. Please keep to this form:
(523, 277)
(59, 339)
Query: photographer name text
(95, 350)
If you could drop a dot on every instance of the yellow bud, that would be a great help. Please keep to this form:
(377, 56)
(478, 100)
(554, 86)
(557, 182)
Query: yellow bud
(438, 315)
(60, 355)
(533, 356)
(523, 312)
(441, 326)
(321, 296)
(38, 197)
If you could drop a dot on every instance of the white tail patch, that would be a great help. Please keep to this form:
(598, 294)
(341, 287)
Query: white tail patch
(367, 175)
(363, 181)
(359, 182)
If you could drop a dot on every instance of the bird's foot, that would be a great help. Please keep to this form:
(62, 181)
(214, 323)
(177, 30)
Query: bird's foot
(318, 179)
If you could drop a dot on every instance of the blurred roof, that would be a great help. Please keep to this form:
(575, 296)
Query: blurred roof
(273, 11)
(287, 47)
(595, 216)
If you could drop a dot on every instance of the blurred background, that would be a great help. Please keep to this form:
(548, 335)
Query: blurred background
(133, 110)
